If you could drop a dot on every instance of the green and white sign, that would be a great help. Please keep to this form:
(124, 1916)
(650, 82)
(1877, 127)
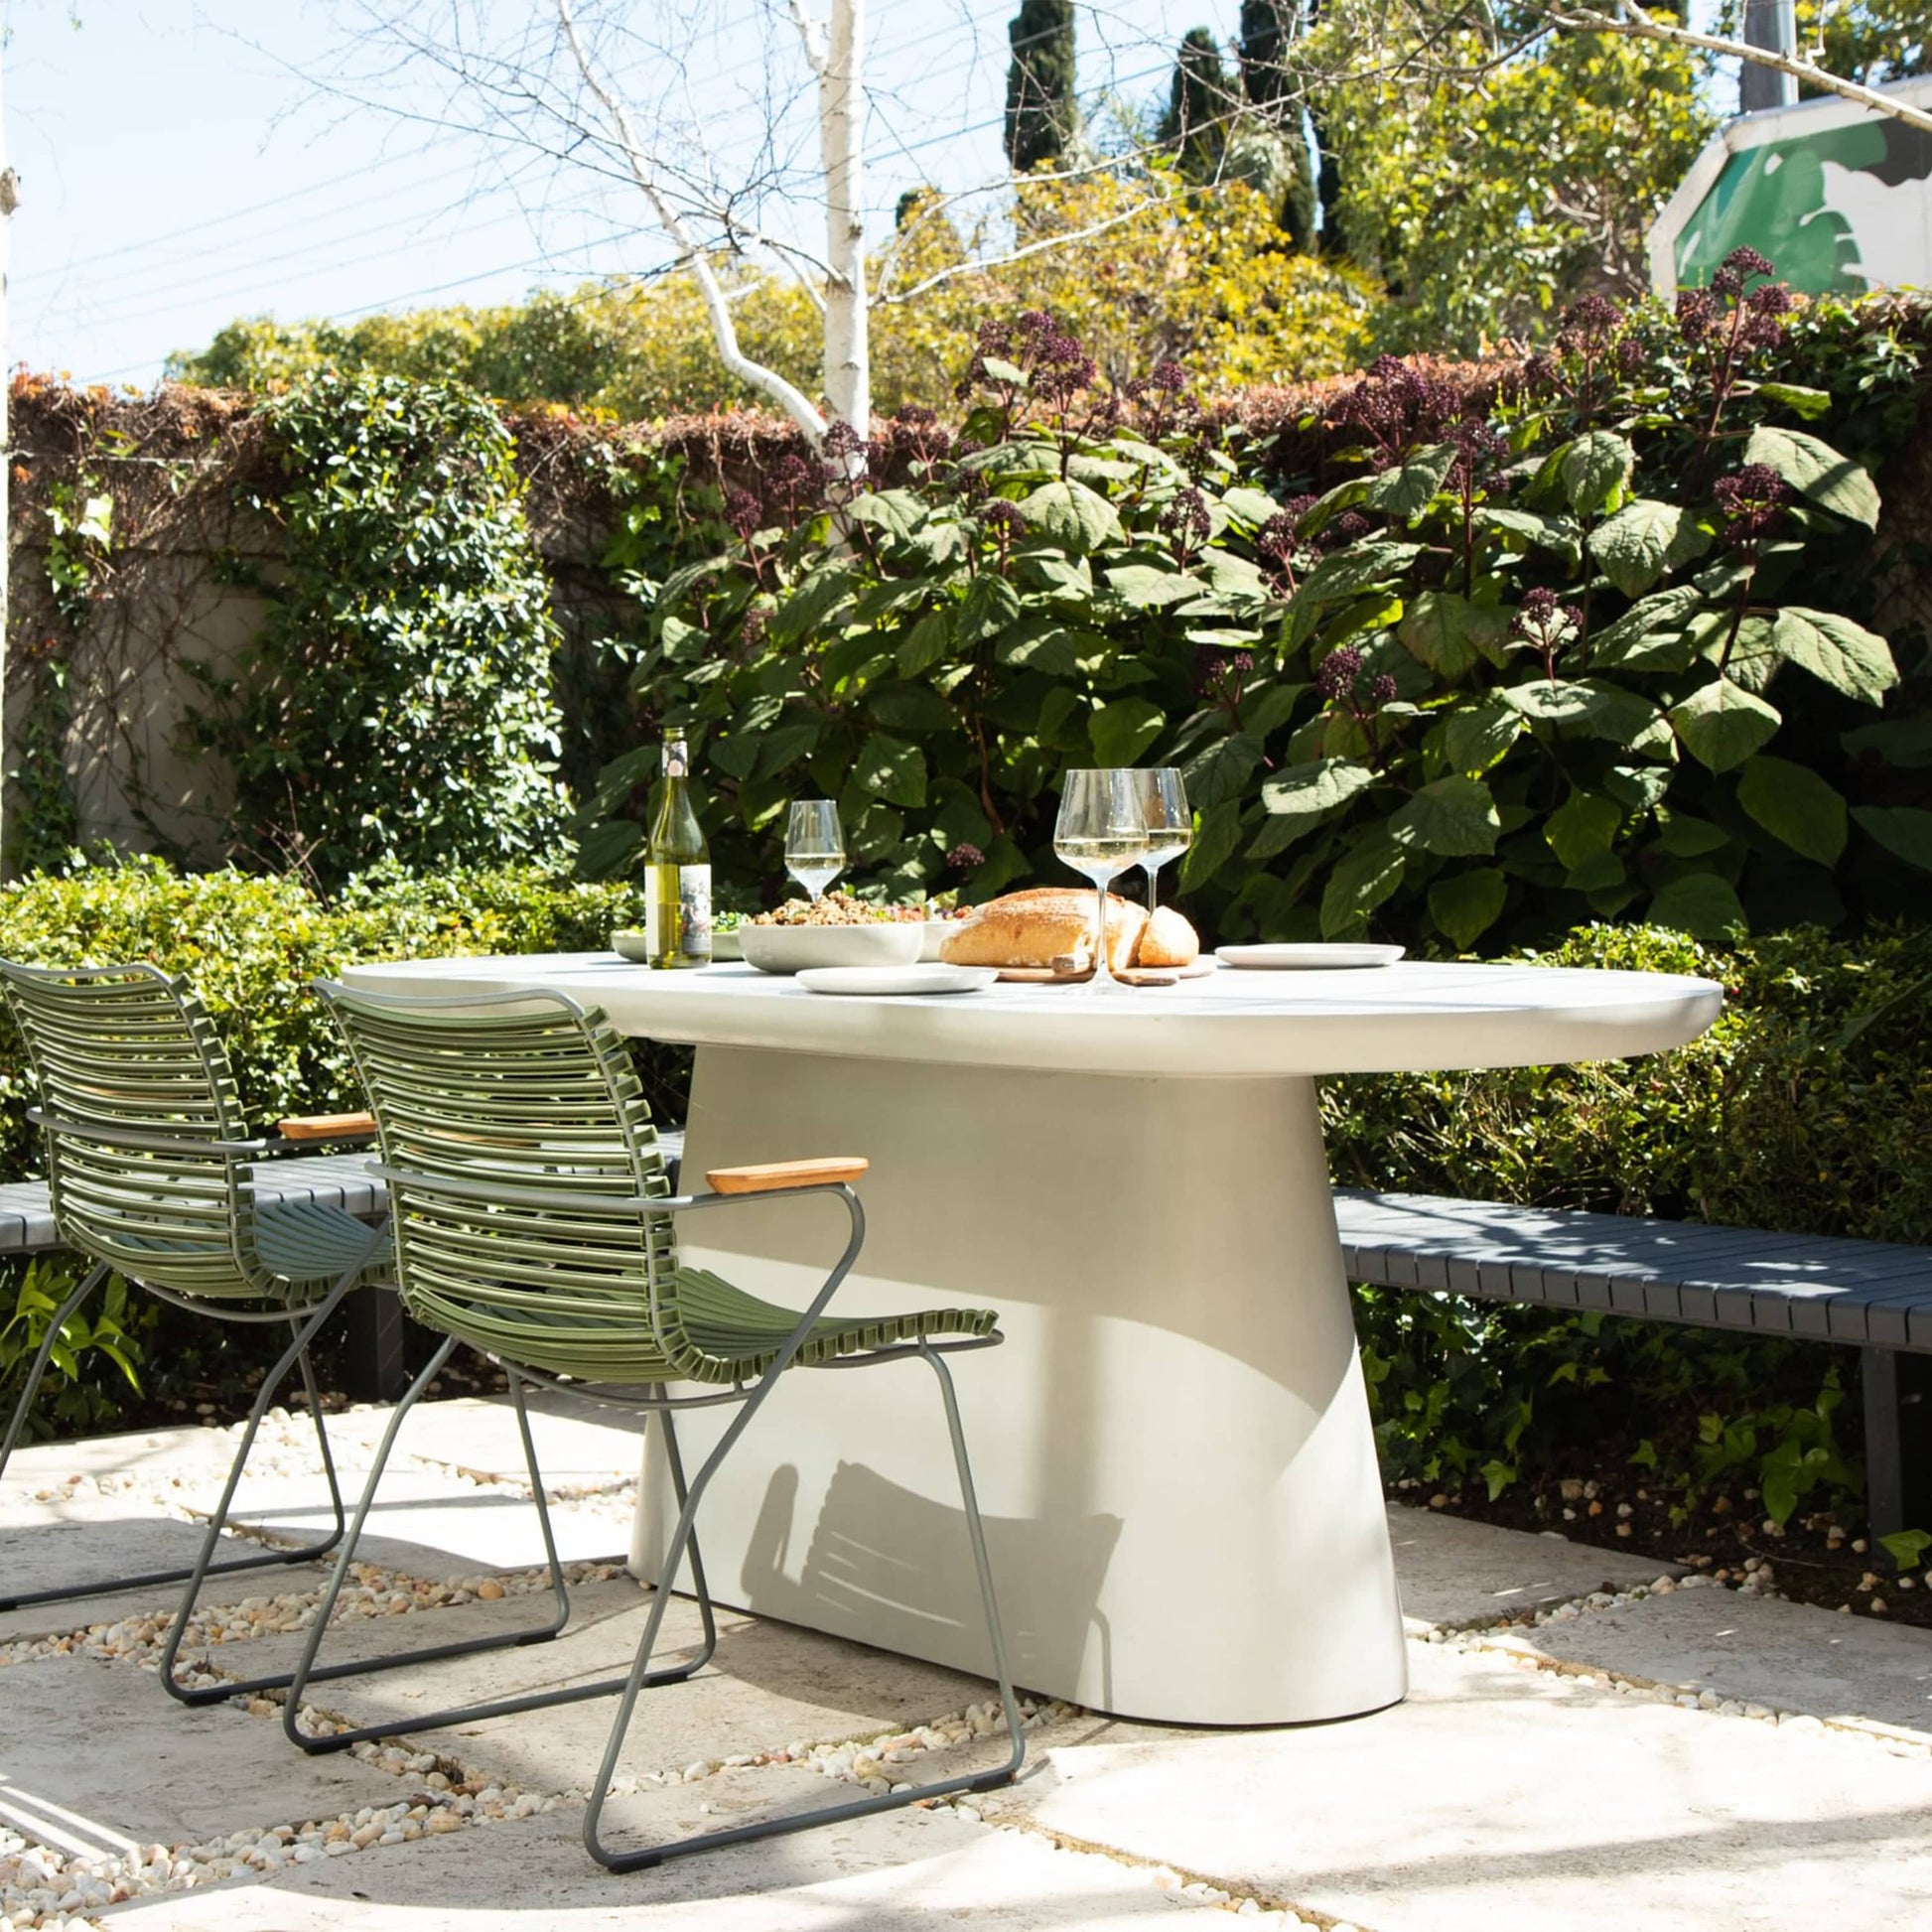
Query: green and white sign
(1837, 196)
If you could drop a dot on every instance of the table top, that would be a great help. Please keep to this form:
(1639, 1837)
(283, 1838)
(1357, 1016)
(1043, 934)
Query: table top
(1235, 1024)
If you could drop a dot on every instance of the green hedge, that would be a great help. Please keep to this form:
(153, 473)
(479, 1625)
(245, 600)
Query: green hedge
(1807, 1108)
(251, 945)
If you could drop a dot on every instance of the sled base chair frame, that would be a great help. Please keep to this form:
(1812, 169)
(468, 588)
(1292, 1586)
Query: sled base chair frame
(150, 1175)
(487, 1250)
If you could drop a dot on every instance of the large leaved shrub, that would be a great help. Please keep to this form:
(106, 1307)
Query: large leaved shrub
(1583, 639)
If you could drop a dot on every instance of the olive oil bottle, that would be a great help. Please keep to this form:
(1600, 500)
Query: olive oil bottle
(677, 869)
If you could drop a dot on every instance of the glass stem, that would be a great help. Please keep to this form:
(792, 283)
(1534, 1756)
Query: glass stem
(1103, 973)
(1153, 887)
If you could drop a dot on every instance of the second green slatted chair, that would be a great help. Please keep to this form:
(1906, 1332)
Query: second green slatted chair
(150, 1173)
(149, 1168)
(533, 1219)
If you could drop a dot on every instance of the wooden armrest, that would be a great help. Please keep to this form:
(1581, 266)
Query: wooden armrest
(326, 1127)
(774, 1175)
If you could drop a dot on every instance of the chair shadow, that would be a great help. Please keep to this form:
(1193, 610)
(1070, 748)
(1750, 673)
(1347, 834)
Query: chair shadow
(898, 1566)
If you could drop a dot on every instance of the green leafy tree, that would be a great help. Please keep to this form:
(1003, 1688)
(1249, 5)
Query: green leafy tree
(1491, 201)
(1042, 115)
(1200, 98)
(397, 704)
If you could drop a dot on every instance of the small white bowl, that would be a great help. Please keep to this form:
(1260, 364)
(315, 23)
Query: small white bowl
(631, 945)
(797, 948)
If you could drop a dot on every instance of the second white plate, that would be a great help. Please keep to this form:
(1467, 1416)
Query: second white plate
(1312, 956)
(896, 979)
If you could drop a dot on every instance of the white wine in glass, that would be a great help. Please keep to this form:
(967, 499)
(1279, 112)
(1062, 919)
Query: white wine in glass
(1101, 832)
(1170, 824)
(814, 845)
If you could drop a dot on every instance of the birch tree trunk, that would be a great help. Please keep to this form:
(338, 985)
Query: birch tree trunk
(9, 200)
(841, 141)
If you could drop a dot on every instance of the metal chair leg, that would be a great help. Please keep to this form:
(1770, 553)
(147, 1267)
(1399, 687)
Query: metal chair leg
(297, 1352)
(675, 1462)
(644, 1856)
(307, 1672)
(204, 1566)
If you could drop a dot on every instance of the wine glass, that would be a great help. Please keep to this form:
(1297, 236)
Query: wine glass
(814, 843)
(1101, 832)
(1170, 824)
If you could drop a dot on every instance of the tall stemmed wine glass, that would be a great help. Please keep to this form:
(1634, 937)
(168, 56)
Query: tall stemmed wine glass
(1101, 832)
(814, 843)
(1170, 824)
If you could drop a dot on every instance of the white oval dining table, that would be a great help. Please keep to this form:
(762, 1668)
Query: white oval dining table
(1173, 1450)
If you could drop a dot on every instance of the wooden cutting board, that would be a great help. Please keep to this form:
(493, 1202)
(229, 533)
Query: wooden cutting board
(1130, 975)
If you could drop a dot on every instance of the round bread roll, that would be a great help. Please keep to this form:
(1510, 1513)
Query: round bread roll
(1167, 940)
(1042, 925)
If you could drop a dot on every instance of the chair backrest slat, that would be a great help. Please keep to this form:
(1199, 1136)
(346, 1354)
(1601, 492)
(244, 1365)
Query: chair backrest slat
(535, 1093)
(130, 1050)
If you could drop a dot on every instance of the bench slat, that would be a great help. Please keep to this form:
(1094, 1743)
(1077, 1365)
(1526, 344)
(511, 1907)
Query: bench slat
(1832, 1288)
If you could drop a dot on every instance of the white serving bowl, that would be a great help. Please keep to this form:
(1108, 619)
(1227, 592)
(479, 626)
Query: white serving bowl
(797, 948)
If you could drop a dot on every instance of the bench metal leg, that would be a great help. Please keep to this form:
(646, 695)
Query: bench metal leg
(308, 1671)
(375, 1366)
(641, 1677)
(1897, 1440)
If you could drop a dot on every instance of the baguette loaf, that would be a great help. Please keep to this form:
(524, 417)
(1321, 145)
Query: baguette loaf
(1167, 940)
(1047, 923)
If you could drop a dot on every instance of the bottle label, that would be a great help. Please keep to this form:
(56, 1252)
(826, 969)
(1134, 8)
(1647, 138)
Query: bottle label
(677, 913)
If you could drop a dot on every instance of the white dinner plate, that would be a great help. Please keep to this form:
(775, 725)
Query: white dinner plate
(1312, 956)
(896, 979)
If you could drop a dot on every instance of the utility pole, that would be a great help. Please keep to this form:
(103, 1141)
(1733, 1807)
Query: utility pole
(1774, 25)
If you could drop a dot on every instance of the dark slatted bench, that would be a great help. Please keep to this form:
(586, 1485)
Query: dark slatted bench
(372, 1368)
(1871, 1294)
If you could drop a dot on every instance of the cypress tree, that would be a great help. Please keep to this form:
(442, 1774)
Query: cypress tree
(1263, 49)
(1195, 123)
(1264, 37)
(1042, 115)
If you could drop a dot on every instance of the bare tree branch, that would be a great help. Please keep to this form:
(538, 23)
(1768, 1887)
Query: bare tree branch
(1632, 21)
(791, 399)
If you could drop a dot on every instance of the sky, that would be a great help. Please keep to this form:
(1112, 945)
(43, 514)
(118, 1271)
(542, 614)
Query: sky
(186, 162)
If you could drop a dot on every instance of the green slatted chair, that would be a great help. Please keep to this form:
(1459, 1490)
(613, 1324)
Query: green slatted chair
(533, 1220)
(148, 1168)
(150, 1173)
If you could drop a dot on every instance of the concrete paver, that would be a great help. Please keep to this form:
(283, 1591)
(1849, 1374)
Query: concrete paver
(908, 1871)
(1505, 1799)
(1502, 1797)
(1755, 1650)
(768, 1685)
(1456, 1573)
(105, 1746)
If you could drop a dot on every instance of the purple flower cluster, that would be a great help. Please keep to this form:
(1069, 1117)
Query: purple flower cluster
(744, 512)
(1339, 676)
(1754, 319)
(1547, 624)
(1751, 502)
(1003, 520)
(965, 857)
(1188, 523)
(1400, 406)
(1221, 672)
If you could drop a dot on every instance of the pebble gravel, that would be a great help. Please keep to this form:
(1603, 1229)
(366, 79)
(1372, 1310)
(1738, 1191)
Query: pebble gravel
(45, 1890)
